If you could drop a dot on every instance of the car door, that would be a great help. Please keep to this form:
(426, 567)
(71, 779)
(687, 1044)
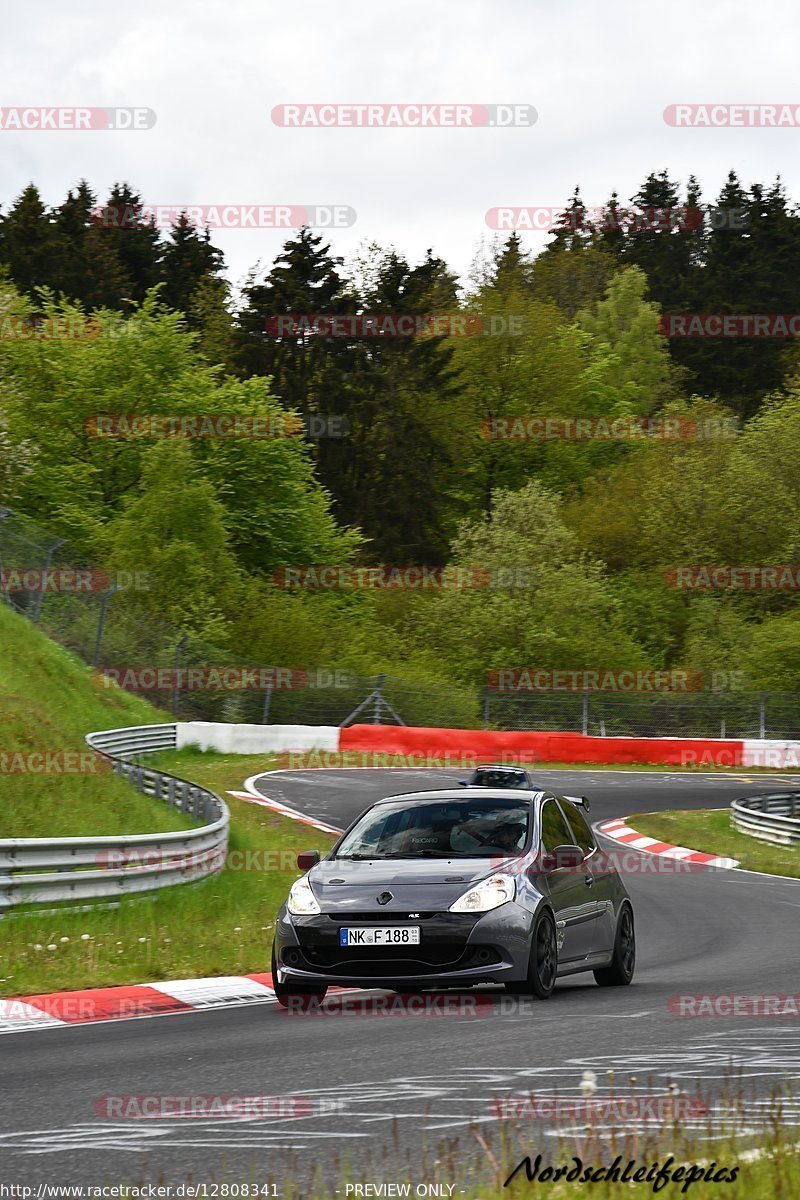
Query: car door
(597, 867)
(568, 888)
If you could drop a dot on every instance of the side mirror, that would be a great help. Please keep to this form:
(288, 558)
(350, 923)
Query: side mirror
(567, 856)
(463, 783)
(307, 860)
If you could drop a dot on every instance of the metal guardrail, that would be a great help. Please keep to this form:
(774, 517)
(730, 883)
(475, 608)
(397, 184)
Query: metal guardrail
(44, 870)
(774, 817)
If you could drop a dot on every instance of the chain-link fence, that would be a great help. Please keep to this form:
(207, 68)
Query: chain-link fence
(611, 714)
(102, 620)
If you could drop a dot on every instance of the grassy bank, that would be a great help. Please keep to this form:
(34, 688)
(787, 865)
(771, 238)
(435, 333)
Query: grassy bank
(51, 785)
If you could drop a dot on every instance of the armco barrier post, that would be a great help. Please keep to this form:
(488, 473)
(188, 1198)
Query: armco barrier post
(267, 702)
(101, 620)
(48, 562)
(4, 512)
(377, 696)
(176, 687)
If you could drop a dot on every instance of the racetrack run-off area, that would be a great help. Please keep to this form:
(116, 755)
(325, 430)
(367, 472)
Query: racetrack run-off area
(384, 1085)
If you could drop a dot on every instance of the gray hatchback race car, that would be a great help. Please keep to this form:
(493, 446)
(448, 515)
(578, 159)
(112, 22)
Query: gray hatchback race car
(454, 888)
(499, 775)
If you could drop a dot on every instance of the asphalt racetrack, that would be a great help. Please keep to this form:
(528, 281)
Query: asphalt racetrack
(377, 1089)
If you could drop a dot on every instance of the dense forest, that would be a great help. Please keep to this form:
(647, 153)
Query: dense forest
(578, 538)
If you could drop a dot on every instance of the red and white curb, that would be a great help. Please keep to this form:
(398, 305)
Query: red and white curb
(92, 1005)
(135, 1000)
(619, 831)
(252, 796)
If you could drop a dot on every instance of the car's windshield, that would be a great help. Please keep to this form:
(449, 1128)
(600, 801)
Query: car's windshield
(439, 829)
(499, 777)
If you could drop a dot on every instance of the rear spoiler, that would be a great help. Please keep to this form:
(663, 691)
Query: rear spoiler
(580, 801)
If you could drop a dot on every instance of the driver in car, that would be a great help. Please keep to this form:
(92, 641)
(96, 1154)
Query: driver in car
(506, 836)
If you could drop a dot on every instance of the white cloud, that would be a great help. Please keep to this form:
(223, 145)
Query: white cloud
(599, 76)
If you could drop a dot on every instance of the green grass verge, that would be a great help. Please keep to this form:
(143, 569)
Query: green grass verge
(48, 701)
(710, 831)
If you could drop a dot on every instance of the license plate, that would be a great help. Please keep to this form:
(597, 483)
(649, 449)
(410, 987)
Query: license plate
(379, 935)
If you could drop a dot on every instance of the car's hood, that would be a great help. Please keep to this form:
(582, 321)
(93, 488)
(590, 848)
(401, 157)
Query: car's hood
(416, 884)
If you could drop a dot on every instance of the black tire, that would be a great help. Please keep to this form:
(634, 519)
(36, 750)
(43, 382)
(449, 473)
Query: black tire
(620, 970)
(542, 964)
(295, 997)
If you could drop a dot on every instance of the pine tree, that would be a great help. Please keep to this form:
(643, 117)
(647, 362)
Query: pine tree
(512, 267)
(31, 244)
(611, 227)
(660, 240)
(73, 219)
(304, 280)
(189, 260)
(134, 240)
(394, 476)
(572, 230)
(752, 266)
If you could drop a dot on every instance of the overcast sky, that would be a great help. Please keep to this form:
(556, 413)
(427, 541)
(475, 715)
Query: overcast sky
(599, 75)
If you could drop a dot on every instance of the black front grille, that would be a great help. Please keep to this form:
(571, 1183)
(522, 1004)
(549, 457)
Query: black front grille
(374, 961)
(380, 918)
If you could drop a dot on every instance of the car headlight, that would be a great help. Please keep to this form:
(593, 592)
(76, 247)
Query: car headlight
(302, 902)
(488, 894)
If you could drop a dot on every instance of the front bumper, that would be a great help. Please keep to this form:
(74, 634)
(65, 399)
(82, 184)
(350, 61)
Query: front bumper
(455, 950)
